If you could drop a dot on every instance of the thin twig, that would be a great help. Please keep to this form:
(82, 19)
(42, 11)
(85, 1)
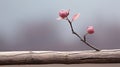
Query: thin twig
(83, 40)
(85, 36)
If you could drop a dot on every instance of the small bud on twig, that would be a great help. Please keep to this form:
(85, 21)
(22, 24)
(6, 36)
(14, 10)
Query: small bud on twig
(90, 30)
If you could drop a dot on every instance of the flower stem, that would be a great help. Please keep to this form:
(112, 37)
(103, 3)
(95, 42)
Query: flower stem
(83, 40)
(85, 36)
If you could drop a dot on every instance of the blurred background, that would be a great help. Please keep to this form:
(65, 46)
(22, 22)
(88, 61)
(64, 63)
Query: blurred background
(32, 24)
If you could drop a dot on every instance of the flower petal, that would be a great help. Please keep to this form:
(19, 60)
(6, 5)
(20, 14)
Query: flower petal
(75, 17)
(59, 18)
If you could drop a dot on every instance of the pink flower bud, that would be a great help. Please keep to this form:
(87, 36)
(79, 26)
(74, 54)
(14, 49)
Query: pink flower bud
(90, 30)
(63, 13)
(75, 17)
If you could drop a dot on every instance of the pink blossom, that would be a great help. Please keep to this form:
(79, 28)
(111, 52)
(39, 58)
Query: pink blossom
(63, 13)
(90, 30)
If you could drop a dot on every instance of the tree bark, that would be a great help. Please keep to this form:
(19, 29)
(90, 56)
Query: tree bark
(59, 57)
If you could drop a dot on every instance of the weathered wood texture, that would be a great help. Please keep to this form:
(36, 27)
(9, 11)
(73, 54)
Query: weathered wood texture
(59, 57)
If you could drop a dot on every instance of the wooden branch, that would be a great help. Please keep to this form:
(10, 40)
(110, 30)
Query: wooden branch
(60, 57)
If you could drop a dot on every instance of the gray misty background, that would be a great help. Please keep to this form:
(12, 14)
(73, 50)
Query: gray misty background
(32, 24)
